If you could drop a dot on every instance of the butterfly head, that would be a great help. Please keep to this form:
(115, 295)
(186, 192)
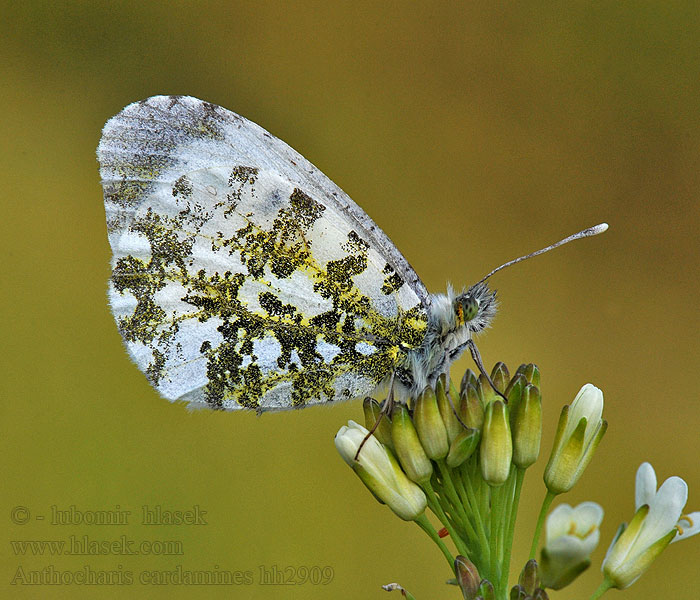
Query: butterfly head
(475, 308)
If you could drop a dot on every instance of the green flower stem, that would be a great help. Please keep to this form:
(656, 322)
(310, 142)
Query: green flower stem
(477, 513)
(513, 513)
(437, 509)
(471, 513)
(426, 526)
(546, 503)
(478, 540)
(498, 511)
(473, 481)
(602, 588)
(505, 499)
(447, 509)
(506, 502)
(457, 502)
(484, 491)
(493, 533)
(450, 489)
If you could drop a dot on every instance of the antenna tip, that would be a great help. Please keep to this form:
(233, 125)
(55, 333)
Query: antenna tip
(597, 229)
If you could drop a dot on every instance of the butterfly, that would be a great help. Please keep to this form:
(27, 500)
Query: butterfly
(243, 278)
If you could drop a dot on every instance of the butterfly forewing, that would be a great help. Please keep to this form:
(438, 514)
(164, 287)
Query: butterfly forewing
(242, 277)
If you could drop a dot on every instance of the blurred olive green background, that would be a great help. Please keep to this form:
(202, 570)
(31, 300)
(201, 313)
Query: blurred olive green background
(470, 134)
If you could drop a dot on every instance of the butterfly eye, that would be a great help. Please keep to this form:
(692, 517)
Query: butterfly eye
(470, 306)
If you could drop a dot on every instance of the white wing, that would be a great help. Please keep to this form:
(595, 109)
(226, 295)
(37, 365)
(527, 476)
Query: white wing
(242, 276)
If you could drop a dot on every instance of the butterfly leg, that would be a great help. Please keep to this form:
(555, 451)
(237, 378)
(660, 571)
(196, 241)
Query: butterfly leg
(479, 363)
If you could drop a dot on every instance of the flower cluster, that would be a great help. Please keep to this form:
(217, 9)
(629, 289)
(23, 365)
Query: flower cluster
(462, 455)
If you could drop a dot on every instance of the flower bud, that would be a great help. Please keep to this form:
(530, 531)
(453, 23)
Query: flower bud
(379, 471)
(408, 448)
(448, 402)
(469, 378)
(517, 592)
(514, 392)
(579, 432)
(463, 447)
(471, 410)
(486, 392)
(468, 577)
(531, 373)
(486, 590)
(529, 577)
(429, 425)
(500, 376)
(496, 444)
(527, 427)
(373, 410)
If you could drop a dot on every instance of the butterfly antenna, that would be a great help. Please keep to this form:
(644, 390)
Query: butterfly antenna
(386, 409)
(590, 232)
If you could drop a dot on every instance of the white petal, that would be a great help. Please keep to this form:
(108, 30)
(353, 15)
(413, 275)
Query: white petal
(664, 511)
(590, 543)
(588, 403)
(345, 444)
(588, 516)
(690, 524)
(645, 485)
(558, 522)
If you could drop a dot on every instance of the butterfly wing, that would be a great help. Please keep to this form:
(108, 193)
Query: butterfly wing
(242, 276)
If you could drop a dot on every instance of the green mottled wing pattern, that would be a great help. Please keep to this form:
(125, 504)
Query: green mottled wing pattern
(242, 276)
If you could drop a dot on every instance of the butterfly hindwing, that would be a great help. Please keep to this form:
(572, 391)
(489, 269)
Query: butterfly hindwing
(243, 277)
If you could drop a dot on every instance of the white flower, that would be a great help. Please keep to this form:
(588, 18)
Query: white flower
(579, 432)
(571, 535)
(644, 493)
(379, 471)
(658, 521)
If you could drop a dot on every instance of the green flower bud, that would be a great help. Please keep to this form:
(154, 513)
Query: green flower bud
(408, 448)
(486, 392)
(448, 402)
(372, 410)
(486, 590)
(469, 378)
(517, 592)
(496, 445)
(429, 425)
(514, 393)
(500, 376)
(527, 427)
(379, 471)
(463, 447)
(579, 432)
(468, 577)
(531, 373)
(471, 410)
